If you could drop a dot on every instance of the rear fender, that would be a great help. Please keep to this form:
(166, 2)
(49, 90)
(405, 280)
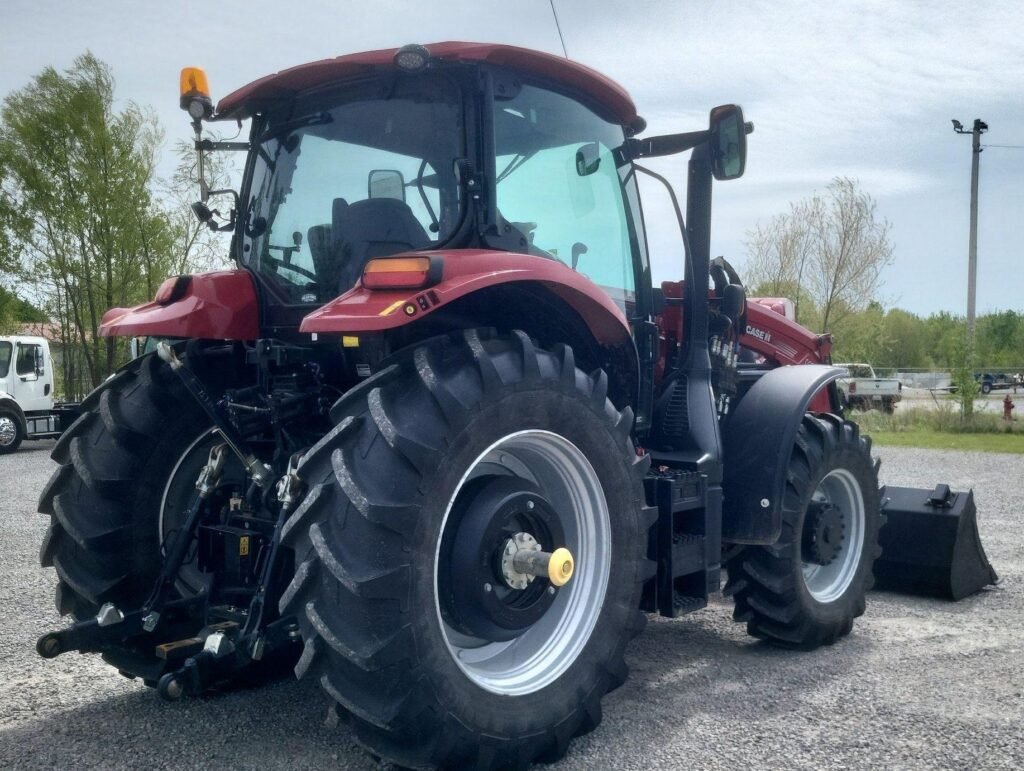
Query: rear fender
(465, 272)
(757, 441)
(221, 305)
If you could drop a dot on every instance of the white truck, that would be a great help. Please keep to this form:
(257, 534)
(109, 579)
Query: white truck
(27, 406)
(862, 389)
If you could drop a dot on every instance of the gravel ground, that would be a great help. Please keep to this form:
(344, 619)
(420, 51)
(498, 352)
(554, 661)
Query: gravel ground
(919, 684)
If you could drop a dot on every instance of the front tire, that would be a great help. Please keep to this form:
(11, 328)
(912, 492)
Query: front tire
(11, 432)
(806, 590)
(399, 592)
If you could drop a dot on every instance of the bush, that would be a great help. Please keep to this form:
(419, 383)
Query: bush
(945, 418)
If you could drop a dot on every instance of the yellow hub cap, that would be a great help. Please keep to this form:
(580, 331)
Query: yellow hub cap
(561, 566)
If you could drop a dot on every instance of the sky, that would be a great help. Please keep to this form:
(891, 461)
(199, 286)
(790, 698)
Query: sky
(864, 90)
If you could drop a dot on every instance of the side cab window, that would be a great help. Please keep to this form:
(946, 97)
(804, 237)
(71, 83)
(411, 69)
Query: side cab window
(559, 185)
(26, 362)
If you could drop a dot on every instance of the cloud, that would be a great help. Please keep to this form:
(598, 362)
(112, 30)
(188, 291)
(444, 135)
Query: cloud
(863, 89)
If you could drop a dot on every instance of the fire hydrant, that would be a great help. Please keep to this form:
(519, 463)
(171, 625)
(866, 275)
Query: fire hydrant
(1007, 408)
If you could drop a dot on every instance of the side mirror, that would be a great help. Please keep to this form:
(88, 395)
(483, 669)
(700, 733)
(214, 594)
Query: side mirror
(728, 142)
(208, 216)
(39, 360)
(588, 159)
(386, 183)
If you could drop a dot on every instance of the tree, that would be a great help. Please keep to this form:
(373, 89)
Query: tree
(778, 255)
(831, 248)
(77, 213)
(862, 336)
(196, 247)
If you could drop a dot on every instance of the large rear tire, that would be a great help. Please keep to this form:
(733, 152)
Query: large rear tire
(399, 593)
(806, 590)
(106, 499)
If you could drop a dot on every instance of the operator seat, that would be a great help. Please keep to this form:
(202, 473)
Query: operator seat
(376, 227)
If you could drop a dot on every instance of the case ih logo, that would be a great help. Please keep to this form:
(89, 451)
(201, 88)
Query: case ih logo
(760, 334)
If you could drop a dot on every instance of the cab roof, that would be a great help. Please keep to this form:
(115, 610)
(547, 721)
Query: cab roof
(250, 99)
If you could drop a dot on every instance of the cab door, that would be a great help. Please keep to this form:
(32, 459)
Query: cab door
(31, 383)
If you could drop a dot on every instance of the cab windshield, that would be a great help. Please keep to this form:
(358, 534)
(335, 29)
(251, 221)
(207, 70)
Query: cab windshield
(339, 181)
(559, 184)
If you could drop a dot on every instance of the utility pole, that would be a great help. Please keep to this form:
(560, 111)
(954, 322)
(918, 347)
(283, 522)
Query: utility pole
(980, 127)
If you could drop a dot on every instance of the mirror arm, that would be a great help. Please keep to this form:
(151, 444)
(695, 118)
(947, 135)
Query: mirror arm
(204, 188)
(209, 144)
(666, 144)
(226, 191)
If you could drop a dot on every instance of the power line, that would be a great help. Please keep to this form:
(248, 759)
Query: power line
(1010, 147)
(558, 27)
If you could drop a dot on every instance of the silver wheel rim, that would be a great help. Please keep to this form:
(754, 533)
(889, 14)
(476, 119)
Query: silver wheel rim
(8, 431)
(827, 583)
(545, 650)
(204, 436)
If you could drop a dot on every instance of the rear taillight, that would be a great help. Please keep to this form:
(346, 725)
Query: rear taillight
(853, 388)
(402, 272)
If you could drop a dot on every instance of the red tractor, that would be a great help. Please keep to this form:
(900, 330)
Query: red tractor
(437, 440)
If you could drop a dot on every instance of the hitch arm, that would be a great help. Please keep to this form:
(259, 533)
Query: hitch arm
(257, 470)
(109, 627)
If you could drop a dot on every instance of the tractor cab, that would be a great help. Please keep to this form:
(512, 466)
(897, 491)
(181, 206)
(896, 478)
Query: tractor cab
(455, 146)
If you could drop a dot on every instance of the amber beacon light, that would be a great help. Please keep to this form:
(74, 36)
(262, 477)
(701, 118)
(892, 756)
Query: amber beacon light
(195, 93)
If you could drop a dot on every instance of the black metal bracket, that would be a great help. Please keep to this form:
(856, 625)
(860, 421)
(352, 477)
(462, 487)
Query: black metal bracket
(112, 627)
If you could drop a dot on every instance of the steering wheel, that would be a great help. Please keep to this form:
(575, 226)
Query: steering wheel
(294, 268)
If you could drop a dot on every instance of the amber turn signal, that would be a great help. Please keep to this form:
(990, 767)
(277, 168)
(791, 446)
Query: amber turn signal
(402, 272)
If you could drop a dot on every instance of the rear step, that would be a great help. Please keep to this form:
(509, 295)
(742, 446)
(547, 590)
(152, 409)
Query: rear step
(685, 541)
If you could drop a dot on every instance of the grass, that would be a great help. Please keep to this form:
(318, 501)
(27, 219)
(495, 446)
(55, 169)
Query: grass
(943, 429)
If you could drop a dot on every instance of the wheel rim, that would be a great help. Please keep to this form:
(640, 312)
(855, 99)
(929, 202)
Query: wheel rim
(545, 650)
(8, 431)
(826, 583)
(176, 497)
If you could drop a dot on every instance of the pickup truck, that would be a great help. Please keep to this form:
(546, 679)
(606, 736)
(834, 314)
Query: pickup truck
(988, 382)
(861, 389)
(27, 406)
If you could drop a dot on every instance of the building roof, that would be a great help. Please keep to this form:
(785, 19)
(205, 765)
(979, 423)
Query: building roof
(49, 330)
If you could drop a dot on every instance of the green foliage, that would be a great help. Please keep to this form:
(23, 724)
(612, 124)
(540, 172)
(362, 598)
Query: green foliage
(15, 311)
(898, 339)
(78, 218)
(962, 380)
(945, 427)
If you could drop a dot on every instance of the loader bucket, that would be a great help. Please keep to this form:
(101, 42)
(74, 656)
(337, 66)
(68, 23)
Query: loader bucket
(930, 544)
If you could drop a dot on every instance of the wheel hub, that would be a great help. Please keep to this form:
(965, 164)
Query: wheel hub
(520, 542)
(495, 587)
(7, 431)
(522, 560)
(824, 533)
